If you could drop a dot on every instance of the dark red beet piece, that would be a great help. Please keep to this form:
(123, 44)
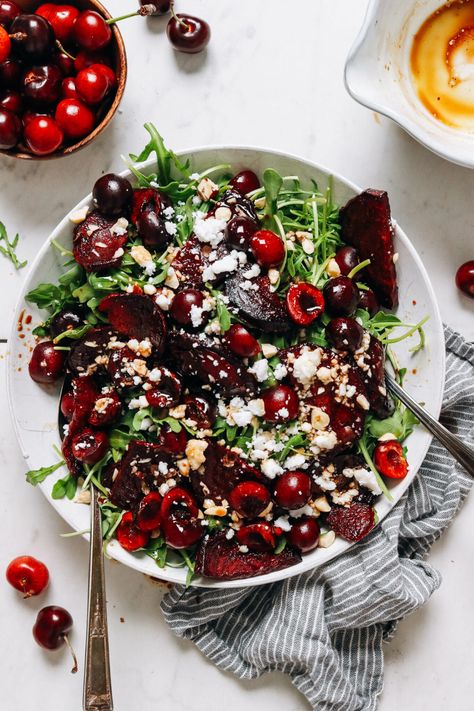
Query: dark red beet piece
(120, 367)
(196, 357)
(261, 308)
(374, 379)
(221, 472)
(136, 316)
(366, 224)
(217, 557)
(138, 465)
(83, 355)
(190, 263)
(352, 523)
(98, 249)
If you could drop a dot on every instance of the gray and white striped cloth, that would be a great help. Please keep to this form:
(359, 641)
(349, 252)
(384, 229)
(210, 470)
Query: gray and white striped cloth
(325, 628)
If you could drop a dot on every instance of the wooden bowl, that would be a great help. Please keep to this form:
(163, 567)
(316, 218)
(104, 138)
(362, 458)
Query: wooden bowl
(117, 48)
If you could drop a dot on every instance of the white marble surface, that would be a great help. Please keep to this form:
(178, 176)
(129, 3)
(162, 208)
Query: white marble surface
(272, 76)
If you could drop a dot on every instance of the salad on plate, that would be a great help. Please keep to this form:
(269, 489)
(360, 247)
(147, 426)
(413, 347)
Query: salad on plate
(223, 339)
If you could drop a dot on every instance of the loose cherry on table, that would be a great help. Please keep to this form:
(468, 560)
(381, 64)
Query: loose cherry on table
(341, 296)
(89, 446)
(268, 248)
(241, 341)
(345, 333)
(51, 629)
(390, 460)
(304, 534)
(245, 182)
(43, 135)
(465, 278)
(27, 575)
(188, 33)
(10, 129)
(74, 118)
(46, 364)
(293, 490)
(304, 302)
(281, 404)
(162, 7)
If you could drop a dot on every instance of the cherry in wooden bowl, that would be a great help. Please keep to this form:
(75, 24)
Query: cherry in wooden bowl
(106, 110)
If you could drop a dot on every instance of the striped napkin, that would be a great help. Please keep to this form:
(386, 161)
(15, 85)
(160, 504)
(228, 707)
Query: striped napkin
(325, 628)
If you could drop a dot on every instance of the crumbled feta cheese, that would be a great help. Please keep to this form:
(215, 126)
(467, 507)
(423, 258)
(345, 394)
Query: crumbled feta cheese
(273, 276)
(305, 510)
(280, 371)
(324, 375)
(196, 200)
(364, 477)
(171, 228)
(283, 523)
(260, 369)
(149, 289)
(164, 299)
(344, 498)
(210, 230)
(254, 271)
(306, 365)
(196, 315)
(168, 212)
(243, 549)
(256, 407)
(145, 424)
(325, 440)
(296, 461)
(271, 468)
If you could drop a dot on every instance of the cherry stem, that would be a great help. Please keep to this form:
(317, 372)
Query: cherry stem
(143, 11)
(178, 19)
(61, 49)
(19, 36)
(66, 639)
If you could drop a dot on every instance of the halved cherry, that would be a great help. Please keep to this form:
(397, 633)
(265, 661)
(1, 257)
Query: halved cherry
(67, 405)
(201, 409)
(129, 535)
(106, 409)
(149, 512)
(89, 446)
(172, 442)
(304, 302)
(268, 248)
(178, 497)
(241, 341)
(145, 199)
(281, 404)
(293, 490)
(181, 529)
(390, 460)
(166, 392)
(257, 537)
(249, 498)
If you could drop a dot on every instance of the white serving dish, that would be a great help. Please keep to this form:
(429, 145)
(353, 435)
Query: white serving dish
(377, 75)
(34, 408)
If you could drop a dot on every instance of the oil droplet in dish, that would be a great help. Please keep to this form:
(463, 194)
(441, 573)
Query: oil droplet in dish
(442, 64)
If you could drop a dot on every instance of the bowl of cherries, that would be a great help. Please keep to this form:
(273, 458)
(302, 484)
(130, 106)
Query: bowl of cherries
(62, 76)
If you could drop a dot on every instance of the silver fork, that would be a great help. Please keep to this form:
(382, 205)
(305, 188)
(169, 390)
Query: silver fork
(462, 453)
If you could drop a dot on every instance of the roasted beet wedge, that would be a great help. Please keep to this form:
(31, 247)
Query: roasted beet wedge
(88, 353)
(190, 263)
(136, 316)
(197, 357)
(222, 470)
(96, 245)
(373, 375)
(258, 306)
(217, 557)
(353, 522)
(136, 471)
(366, 224)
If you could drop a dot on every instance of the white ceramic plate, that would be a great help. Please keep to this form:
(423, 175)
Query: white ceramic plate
(377, 75)
(34, 408)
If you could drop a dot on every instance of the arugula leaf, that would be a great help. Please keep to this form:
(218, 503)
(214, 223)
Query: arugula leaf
(400, 424)
(65, 487)
(281, 545)
(8, 250)
(272, 182)
(36, 476)
(73, 333)
(46, 296)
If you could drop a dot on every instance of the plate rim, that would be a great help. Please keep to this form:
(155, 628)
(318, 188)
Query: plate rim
(307, 564)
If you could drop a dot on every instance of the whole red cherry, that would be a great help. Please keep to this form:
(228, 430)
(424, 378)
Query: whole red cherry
(390, 460)
(162, 6)
(304, 534)
(28, 575)
(245, 182)
(188, 34)
(74, 118)
(51, 629)
(68, 88)
(91, 32)
(43, 135)
(241, 341)
(293, 490)
(129, 535)
(8, 11)
(465, 278)
(10, 129)
(181, 529)
(268, 248)
(5, 44)
(61, 17)
(281, 404)
(47, 364)
(11, 101)
(92, 85)
(186, 307)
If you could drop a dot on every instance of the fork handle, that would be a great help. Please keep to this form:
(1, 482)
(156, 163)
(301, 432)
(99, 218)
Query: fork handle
(462, 452)
(97, 681)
